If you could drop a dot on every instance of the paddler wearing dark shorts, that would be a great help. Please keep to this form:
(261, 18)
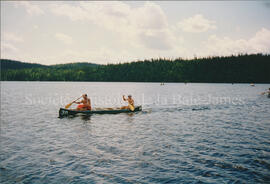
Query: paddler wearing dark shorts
(84, 104)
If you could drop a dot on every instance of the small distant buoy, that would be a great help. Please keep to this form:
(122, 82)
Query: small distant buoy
(252, 84)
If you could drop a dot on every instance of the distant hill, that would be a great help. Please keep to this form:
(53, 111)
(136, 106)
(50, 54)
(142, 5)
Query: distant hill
(253, 68)
(74, 65)
(12, 64)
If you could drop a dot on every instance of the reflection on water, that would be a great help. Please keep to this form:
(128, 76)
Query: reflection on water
(195, 133)
(86, 118)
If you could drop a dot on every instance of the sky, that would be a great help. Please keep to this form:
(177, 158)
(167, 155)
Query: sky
(102, 32)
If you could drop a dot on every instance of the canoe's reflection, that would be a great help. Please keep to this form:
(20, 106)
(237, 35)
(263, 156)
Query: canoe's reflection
(81, 116)
(85, 117)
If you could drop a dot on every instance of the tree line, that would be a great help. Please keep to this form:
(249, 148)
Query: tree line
(253, 68)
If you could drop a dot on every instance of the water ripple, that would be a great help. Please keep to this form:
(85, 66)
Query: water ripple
(166, 143)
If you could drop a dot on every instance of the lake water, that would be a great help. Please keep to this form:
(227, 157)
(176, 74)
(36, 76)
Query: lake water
(186, 133)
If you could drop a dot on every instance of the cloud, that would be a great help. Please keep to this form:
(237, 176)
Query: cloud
(146, 25)
(160, 40)
(64, 38)
(8, 40)
(225, 46)
(150, 26)
(11, 37)
(6, 47)
(117, 16)
(73, 12)
(30, 8)
(259, 43)
(196, 24)
(149, 16)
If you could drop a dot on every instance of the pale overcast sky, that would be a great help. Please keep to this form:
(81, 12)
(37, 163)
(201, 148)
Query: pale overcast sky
(112, 32)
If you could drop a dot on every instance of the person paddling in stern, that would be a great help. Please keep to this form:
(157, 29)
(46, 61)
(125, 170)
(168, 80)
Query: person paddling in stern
(130, 103)
(84, 104)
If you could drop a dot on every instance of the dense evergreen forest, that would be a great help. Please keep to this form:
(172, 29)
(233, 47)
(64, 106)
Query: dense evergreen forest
(253, 68)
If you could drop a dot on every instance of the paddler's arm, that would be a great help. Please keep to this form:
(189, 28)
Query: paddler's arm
(77, 102)
(89, 102)
(132, 102)
(124, 98)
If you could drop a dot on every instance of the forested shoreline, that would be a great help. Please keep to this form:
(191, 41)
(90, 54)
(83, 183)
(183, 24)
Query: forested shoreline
(254, 68)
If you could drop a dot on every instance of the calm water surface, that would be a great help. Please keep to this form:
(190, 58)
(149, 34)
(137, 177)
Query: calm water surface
(193, 133)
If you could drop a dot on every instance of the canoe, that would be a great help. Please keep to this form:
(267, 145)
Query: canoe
(71, 112)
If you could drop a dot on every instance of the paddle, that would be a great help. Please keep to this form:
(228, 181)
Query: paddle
(68, 105)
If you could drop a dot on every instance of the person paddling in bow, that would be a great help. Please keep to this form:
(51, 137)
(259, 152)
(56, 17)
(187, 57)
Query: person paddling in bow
(84, 104)
(130, 103)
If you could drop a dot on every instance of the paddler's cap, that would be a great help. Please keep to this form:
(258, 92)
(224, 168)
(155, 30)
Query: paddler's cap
(85, 95)
(129, 95)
